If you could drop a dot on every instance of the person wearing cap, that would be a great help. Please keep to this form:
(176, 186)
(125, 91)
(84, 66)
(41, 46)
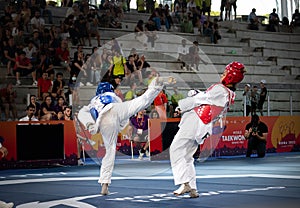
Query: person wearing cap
(247, 98)
(262, 96)
(199, 112)
(108, 115)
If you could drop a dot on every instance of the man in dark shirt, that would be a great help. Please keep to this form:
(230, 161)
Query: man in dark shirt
(262, 96)
(256, 133)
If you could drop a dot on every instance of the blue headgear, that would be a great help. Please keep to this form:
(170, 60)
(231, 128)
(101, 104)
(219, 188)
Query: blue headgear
(104, 87)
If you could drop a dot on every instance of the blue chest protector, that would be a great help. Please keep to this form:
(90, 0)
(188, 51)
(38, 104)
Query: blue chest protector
(104, 99)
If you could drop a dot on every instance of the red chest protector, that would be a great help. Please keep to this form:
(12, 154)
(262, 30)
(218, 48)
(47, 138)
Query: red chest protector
(207, 113)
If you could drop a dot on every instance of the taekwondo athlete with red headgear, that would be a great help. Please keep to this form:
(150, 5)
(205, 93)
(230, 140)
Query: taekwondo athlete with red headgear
(200, 110)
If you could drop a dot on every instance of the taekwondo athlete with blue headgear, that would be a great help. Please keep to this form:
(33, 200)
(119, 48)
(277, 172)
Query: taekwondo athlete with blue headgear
(108, 115)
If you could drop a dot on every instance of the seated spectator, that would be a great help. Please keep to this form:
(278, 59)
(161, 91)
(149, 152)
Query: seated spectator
(36, 104)
(45, 65)
(44, 86)
(253, 20)
(273, 21)
(44, 10)
(93, 23)
(60, 105)
(10, 54)
(81, 28)
(37, 22)
(142, 65)
(138, 132)
(62, 56)
(133, 71)
(256, 132)
(31, 52)
(182, 51)
(58, 86)
(93, 62)
(67, 113)
(47, 109)
(8, 96)
(154, 114)
(30, 109)
(131, 93)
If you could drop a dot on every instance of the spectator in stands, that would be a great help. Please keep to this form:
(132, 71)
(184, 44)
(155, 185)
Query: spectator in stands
(154, 114)
(206, 7)
(92, 21)
(175, 97)
(155, 17)
(74, 10)
(81, 28)
(216, 36)
(60, 104)
(44, 86)
(133, 70)
(25, 14)
(273, 21)
(45, 40)
(62, 56)
(37, 22)
(36, 39)
(19, 39)
(295, 20)
(222, 7)
(10, 54)
(8, 96)
(140, 4)
(151, 32)
(247, 98)
(142, 65)
(47, 109)
(194, 56)
(37, 105)
(256, 132)
(58, 86)
(183, 50)
(24, 67)
(45, 65)
(254, 99)
(44, 10)
(138, 132)
(68, 113)
(161, 104)
(76, 73)
(131, 93)
(94, 62)
(228, 6)
(262, 96)
(118, 64)
(253, 20)
(30, 109)
(31, 52)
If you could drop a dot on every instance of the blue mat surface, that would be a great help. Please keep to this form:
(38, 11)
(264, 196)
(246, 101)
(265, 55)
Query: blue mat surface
(235, 182)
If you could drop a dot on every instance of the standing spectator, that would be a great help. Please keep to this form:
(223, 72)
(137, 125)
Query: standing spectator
(93, 27)
(81, 28)
(256, 132)
(8, 96)
(118, 64)
(10, 54)
(247, 98)
(24, 67)
(161, 104)
(44, 86)
(273, 21)
(58, 86)
(194, 56)
(222, 7)
(262, 96)
(93, 62)
(138, 132)
(30, 109)
(296, 19)
(254, 99)
(37, 22)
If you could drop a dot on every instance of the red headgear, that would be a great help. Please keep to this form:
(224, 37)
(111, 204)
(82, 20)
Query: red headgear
(235, 73)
